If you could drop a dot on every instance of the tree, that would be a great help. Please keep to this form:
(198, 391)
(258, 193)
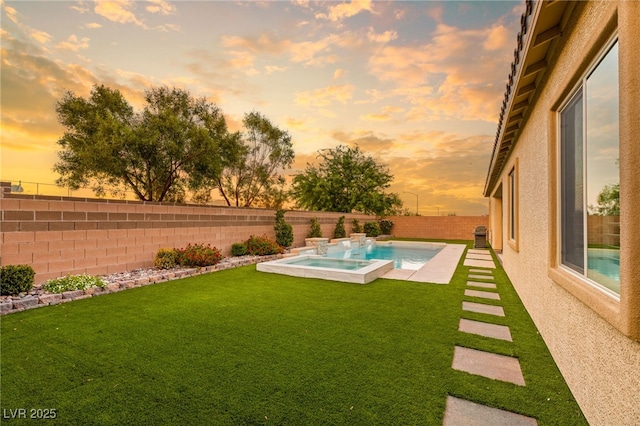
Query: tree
(174, 143)
(254, 175)
(608, 201)
(346, 180)
(315, 231)
(340, 231)
(283, 230)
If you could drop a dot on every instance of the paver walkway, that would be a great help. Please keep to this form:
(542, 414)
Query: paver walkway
(493, 366)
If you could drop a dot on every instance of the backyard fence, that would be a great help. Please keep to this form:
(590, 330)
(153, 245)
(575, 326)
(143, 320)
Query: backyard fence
(58, 236)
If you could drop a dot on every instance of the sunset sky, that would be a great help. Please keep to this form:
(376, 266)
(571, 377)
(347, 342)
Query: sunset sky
(416, 84)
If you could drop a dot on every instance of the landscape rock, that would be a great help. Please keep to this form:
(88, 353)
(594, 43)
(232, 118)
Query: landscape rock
(48, 299)
(6, 306)
(73, 294)
(27, 302)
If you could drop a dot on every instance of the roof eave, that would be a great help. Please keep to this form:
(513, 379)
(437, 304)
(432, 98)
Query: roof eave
(542, 24)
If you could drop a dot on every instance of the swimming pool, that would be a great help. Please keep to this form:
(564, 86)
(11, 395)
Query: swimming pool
(405, 255)
(351, 261)
(603, 266)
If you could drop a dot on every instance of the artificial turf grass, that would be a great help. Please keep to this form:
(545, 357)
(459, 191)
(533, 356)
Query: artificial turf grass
(242, 347)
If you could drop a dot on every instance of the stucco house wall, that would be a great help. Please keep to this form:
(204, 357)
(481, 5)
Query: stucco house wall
(593, 338)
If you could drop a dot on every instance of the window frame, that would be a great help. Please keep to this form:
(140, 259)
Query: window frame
(513, 214)
(579, 88)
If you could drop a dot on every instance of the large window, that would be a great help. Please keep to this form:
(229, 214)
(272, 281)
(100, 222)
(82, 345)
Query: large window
(590, 178)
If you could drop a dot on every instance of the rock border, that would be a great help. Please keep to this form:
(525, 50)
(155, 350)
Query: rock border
(37, 297)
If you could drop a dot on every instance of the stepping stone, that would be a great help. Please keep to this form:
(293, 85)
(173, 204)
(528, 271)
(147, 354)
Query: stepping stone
(494, 331)
(487, 364)
(460, 412)
(482, 308)
(480, 271)
(479, 256)
(479, 284)
(482, 294)
(478, 251)
(481, 277)
(479, 263)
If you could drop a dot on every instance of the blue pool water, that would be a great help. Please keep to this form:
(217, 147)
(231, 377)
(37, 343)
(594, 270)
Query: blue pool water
(332, 263)
(605, 262)
(403, 257)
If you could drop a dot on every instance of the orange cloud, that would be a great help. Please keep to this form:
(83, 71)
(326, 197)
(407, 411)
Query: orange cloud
(117, 11)
(270, 69)
(454, 78)
(386, 114)
(499, 37)
(325, 96)
(384, 37)
(11, 13)
(40, 36)
(160, 6)
(447, 175)
(74, 44)
(346, 10)
(367, 140)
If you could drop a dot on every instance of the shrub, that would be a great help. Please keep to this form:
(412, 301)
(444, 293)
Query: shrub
(16, 279)
(315, 231)
(340, 232)
(356, 227)
(239, 249)
(372, 229)
(284, 230)
(198, 255)
(165, 258)
(385, 226)
(73, 282)
(262, 246)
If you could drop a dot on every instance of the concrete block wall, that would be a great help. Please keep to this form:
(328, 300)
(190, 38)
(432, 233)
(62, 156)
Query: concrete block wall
(437, 227)
(59, 236)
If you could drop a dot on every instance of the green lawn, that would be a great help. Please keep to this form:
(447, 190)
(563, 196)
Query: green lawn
(240, 347)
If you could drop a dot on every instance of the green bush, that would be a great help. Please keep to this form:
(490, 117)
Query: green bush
(356, 228)
(73, 282)
(198, 255)
(385, 226)
(315, 231)
(165, 259)
(16, 279)
(340, 232)
(284, 230)
(372, 229)
(239, 249)
(262, 246)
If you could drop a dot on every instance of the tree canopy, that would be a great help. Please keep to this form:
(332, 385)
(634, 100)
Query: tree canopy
(174, 144)
(608, 201)
(157, 153)
(346, 180)
(253, 176)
